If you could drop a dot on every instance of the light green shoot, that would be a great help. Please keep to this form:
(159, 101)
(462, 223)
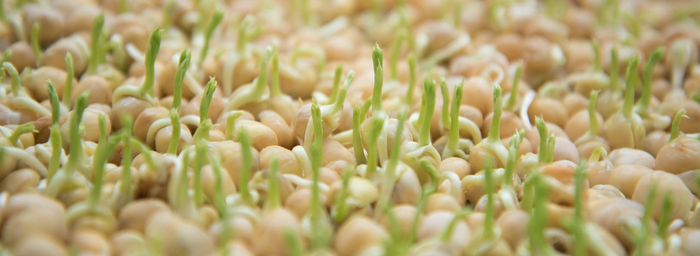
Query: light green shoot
(427, 114)
(273, 197)
(151, 54)
(68, 87)
(36, 46)
(247, 153)
(578, 222)
(675, 125)
(96, 47)
(630, 78)
(208, 32)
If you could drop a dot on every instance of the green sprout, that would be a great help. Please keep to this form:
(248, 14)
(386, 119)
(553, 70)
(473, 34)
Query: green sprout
(489, 213)
(395, 53)
(372, 158)
(151, 53)
(513, 97)
(247, 153)
(321, 236)
(205, 123)
(377, 58)
(390, 174)
(630, 78)
(55, 133)
(273, 196)
(76, 147)
(596, 55)
(412, 77)
(445, 117)
(495, 129)
(199, 162)
(340, 208)
(592, 119)
(293, 243)
(675, 126)
(643, 234)
(105, 147)
(21, 129)
(614, 69)
(513, 152)
(665, 218)
(580, 236)
(218, 16)
(459, 216)
(36, 46)
(15, 85)
(96, 47)
(643, 105)
(538, 221)
(68, 87)
(426, 114)
(546, 152)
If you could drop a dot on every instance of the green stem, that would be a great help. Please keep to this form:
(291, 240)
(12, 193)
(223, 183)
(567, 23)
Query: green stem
(542, 131)
(372, 158)
(592, 117)
(76, 146)
(219, 196)
(341, 205)
(55, 104)
(318, 239)
(390, 171)
(395, 52)
(273, 195)
(68, 87)
(459, 216)
(21, 129)
(36, 46)
(182, 66)
(167, 14)
(336, 82)
(231, 124)
(96, 43)
(665, 218)
(512, 160)
(3, 14)
(643, 234)
(104, 149)
(645, 98)
(293, 243)
(205, 124)
(596, 55)
(378, 80)
(614, 69)
(56, 146)
(495, 129)
(513, 97)
(453, 139)
(489, 213)
(275, 73)
(247, 152)
(578, 222)
(215, 20)
(445, 117)
(151, 54)
(538, 221)
(427, 114)
(123, 6)
(125, 179)
(432, 172)
(675, 125)
(199, 162)
(627, 106)
(15, 85)
(356, 137)
(340, 99)
(243, 37)
(412, 77)
(175, 137)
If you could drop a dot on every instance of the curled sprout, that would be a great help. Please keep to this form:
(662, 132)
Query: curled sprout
(675, 126)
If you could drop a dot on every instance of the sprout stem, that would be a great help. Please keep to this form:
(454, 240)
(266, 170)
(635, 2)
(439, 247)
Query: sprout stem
(489, 218)
(460, 215)
(96, 43)
(293, 243)
(427, 114)
(356, 139)
(215, 20)
(204, 123)
(578, 222)
(175, 137)
(445, 117)
(151, 54)
(675, 125)
(592, 118)
(453, 139)
(596, 55)
(390, 170)
(125, 179)
(273, 196)
(76, 146)
(15, 85)
(395, 52)
(378, 80)
(665, 218)
(243, 36)
(55, 104)
(340, 99)
(645, 99)
(645, 230)
(55, 134)
(275, 73)
(247, 153)
(372, 161)
(412, 77)
(614, 69)
(199, 162)
(219, 197)
(104, 149)
(512, 160)
(336, 82)
(68, 87)
(319, 238)
(630, 76)
(341, 205)
(36, 46)
(513, 97)
(182, 66)
(542, 130)
(21, 129)
(538, 221)
(231, 124)
(495, 129)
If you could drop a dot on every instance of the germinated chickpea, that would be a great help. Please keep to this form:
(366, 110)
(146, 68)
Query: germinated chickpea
(22, 180)
(135, 215)
(579, 124)
(625, 177)
(435, 223)
(271, 229)
(692, 123)
(99, 88)
(127, 242)
(89, 241)
(232, 157)
(564, 149)
(40, 244)
(654, 141)
(128, 106)
(586, 149)
(665, 183)
(146, 118)
(215, 107)
(209, 181)
(357, 235)
(50, 20)
(514, 224)
(334, 151)
(37, 83)
(80, 18)
(678, 156)
(178, 236)
(510, 124)
(624, 156)
(260, 135)
(285, 133)
(478, 93)
(510, 44)
(287, 160)
(22, 56)
(574, 102)
(441, 202)
(298, 81)
(55, 55)
(91, 121)
(472, 114)
(551, 110)
(403, 214)
(162, 139)
(242, 225)
(456, 165)
(440, 34)
(299, 202)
